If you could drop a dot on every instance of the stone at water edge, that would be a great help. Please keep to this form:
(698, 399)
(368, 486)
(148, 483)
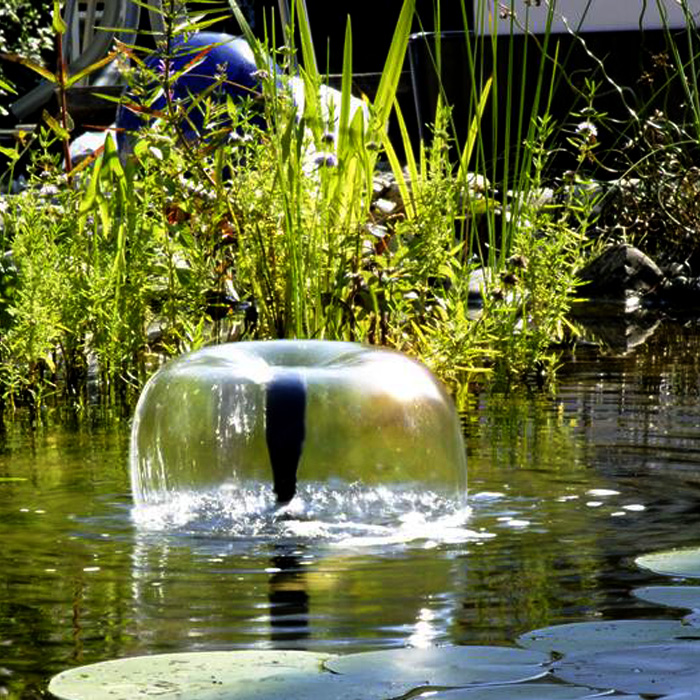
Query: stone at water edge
(619, 272)
(371, 415)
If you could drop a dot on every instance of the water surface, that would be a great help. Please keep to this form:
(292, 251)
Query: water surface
(565, 490)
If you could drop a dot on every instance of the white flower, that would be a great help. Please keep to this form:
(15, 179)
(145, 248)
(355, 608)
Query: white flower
(587, 129)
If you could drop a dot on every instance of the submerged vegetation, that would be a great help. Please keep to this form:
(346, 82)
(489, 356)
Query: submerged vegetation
(275, 227)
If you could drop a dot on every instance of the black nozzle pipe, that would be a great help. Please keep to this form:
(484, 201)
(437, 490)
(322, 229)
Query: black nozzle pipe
(285, 430)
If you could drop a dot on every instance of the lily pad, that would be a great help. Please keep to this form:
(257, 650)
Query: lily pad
(524, 691)
(657, 669)
(674, 562)
(674, 596)
(579, 637)
(443, 666)
(249, 675)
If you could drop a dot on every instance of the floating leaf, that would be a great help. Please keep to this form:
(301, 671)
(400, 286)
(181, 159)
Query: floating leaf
(674, 562)
(596, 636)
(207, 675)
(673, 596)
(523, 691)
(246, 675)
(445, 666)
(658, 669)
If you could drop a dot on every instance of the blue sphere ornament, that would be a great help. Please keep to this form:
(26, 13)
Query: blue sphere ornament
(210, 54)
(288, 412)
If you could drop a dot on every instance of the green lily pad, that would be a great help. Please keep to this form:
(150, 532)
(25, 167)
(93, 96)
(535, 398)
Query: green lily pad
(582, 637)
(674, 562)
(524, 691)
(442, 666)
(673, 596)
(658, 669)
(252, 675)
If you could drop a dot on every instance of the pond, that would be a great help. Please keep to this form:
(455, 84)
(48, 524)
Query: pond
(565, 491)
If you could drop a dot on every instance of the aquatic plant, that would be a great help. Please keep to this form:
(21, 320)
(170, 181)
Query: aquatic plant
(274, 232)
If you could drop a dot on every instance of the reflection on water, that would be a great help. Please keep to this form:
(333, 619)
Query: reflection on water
(565, 491)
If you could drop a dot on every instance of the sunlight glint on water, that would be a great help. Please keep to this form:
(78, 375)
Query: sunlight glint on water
(339, 514)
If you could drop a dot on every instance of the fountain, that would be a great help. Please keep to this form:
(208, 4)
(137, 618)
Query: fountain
(289, 412)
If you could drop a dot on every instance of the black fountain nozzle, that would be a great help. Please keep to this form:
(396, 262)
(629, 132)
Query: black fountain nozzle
(285, 430)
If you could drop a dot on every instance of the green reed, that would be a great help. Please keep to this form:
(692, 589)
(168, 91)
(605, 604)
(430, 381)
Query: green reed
(262, 232)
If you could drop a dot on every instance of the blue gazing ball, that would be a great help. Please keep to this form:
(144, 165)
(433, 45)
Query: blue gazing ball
(229, 55)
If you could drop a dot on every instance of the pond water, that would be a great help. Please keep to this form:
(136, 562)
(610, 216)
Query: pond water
(565, 490)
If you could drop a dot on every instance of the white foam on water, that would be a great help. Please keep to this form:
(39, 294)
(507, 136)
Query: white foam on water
(343, 515)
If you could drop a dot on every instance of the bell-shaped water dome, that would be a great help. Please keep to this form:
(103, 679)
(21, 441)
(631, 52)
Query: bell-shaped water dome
(284, 411)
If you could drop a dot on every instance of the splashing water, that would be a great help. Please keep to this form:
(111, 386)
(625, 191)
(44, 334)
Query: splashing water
(218, 431)
(338, 514)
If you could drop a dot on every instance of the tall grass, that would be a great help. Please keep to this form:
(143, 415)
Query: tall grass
(259, 232)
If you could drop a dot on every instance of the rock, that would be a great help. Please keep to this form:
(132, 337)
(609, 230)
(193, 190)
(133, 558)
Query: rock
(620, 272)
(681, 293)
(385, 207)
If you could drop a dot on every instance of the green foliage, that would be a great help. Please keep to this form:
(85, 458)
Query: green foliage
(24, 28)
(265, 233)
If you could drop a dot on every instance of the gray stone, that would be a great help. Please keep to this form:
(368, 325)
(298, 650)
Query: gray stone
(384, 206)
(618, 273)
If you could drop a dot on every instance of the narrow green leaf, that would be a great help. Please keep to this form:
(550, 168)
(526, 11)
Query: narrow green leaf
(130, 53)
(151, 5)
(397, 170)
(91, 191)
(87, 161)
(474, 131)
(389, 81)
(6, 86)
(58, 25)
(196, 60)
(407, 146)
(110, 98)
(357, 130)
(56, 126)
(346, 95)
(201, 24)
(307, 44)
(261, 59)
(75, 77)
(10, 153)
(112, 163)
(312, 107)
(32, 65)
